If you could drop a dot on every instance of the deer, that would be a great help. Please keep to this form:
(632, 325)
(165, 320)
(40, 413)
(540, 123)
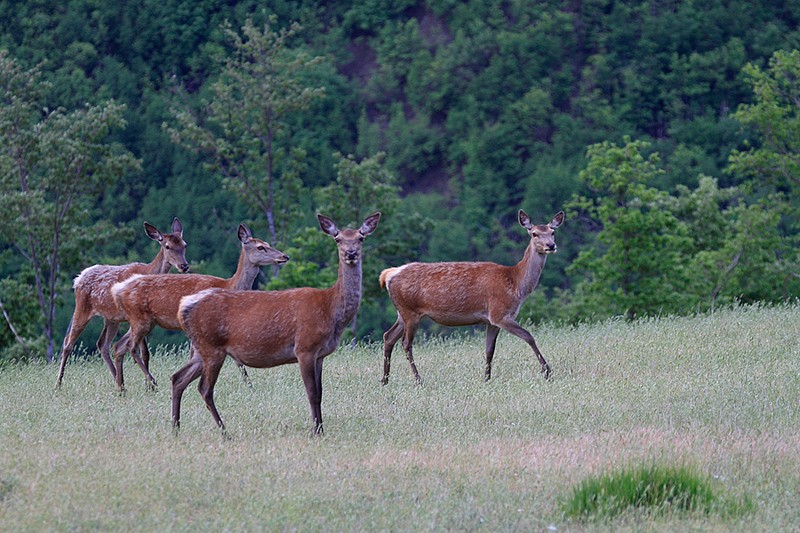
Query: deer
(150, 300)
(93, 292)
(267, 329)
(466, 294)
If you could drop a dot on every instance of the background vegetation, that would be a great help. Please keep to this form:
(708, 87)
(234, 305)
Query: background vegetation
(715, 394)
(668, 130)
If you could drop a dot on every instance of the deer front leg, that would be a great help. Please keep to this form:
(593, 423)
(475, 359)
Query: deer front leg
(141, 354)
(311, 372)
(491, 342)
(511, 326)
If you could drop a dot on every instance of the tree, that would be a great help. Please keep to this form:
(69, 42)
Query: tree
(774, 156)
(772, 161)
(638, 264)
(53, 163)
(361, 188)
(260, 87)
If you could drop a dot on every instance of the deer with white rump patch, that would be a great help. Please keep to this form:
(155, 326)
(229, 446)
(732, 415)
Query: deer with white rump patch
(468, 293)
(266, 329)
(153, 300)
(93, 292)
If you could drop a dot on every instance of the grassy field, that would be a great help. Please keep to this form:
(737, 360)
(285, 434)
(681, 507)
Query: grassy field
(719, 394)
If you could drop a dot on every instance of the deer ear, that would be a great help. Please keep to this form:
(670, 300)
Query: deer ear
(557, 220)
(153, 232)
(370, 223)
(177, 227)
(244, 233)
(524, 219)
(327, 225)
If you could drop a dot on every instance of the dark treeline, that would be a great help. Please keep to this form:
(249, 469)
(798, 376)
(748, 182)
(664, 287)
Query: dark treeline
(643, 120)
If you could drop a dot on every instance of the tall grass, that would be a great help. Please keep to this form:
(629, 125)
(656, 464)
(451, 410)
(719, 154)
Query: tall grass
(720, 393)
(650, 490)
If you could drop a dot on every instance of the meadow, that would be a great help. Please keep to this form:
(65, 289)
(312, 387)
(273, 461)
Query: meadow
(718, 393)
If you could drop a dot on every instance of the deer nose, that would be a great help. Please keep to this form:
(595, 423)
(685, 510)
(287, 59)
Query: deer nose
(551, 247)
(184, 267)
(351, 255)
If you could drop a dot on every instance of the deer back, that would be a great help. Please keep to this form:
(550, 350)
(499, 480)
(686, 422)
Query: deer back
(155, 298)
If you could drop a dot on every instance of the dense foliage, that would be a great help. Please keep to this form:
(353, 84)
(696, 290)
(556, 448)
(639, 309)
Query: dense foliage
(667, 129)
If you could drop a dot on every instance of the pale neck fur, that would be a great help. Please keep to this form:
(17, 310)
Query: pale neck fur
(528, 270)
(346, 293)
(159, 265)
(245, 274)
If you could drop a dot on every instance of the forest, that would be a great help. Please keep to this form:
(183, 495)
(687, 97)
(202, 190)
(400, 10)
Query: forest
(667, 131)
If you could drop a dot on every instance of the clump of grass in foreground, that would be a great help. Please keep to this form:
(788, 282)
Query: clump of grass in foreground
(654, 490)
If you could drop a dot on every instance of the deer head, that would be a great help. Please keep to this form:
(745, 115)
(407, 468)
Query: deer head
(173, 247)
(349, 241)
(542, 235)
(257, 251)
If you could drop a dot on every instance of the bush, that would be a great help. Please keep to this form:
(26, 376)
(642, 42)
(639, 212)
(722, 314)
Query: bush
(651, 489)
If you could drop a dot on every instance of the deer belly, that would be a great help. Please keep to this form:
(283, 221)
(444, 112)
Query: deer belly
(264, 356)
(446, 318)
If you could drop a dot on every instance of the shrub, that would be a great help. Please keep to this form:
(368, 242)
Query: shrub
(650, 489)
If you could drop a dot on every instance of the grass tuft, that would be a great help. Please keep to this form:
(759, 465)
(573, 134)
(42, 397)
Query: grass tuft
(7, 486)
(654, 490)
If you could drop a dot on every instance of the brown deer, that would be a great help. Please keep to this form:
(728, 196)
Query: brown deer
(93, 292)
(465, 294)
(267, 329)
(153, 300)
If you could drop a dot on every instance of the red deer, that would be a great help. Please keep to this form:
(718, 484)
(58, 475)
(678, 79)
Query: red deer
(153, 300)
(465, 294)
(93, 292)
(267, 329)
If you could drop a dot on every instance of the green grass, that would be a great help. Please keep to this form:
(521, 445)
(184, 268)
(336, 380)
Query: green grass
(651, 490)
(720, 393)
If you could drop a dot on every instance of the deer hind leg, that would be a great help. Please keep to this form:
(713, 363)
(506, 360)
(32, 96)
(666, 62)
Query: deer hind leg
(208, 378)
(104, 341)
(390, 338)
(180, 380)
(76, 326)
(491, 343)
(311, 372)
(408, 341)
(511, 326)
(135, 342)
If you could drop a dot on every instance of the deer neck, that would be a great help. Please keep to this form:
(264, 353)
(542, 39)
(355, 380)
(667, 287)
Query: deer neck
(528, 271)
(346, 294)
(245, 274)
(159, 265)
